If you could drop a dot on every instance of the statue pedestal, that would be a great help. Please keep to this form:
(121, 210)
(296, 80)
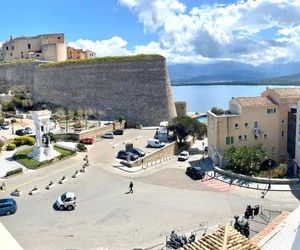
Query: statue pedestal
(43, 153)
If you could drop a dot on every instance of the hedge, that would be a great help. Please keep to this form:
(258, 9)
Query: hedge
(15, 171)
(24, 140)
(10, 146)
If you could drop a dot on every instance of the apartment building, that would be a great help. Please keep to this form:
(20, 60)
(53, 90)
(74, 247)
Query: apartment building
(47, 47)
(78, 54)
(268, 119)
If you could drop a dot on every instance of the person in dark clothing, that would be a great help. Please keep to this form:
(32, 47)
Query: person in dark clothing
(131, 187)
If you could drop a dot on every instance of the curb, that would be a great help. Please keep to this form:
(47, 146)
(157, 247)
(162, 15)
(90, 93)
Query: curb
(245, 186)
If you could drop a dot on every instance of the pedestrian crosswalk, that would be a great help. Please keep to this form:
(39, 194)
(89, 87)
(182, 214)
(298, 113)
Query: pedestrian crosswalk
(213, 183)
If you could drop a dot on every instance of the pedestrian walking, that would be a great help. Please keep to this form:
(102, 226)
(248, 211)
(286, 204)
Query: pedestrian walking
(130, 188)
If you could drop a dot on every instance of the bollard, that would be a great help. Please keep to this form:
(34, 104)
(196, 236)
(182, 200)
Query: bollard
(76, 174)
(35, 190)
(83, 169)
(50, 185)
(63, 180)
(16, 192)
(3, 186)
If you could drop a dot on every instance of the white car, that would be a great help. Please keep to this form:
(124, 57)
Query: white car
(66, 201)
(108, 135)
(183, 156)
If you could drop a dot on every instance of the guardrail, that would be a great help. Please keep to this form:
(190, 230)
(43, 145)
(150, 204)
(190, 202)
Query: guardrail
(255, 179)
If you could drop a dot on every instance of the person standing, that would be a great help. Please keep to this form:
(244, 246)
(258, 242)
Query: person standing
(130, 187)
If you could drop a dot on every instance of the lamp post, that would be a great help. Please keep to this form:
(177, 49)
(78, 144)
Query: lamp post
(270, 163)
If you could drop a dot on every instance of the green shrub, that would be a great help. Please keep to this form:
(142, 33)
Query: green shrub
(15, 171)
(10, 146)
(277, 172)
(217, 111)
(24, 140)
(1, 145)
(81, 147)
(8, 106)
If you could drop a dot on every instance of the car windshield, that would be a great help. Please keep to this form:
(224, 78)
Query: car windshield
(63, 196)
(183, 154)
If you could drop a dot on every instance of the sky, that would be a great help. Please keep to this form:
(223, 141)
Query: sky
(184, 31)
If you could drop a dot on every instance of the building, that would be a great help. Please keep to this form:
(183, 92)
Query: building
(90, 54)
(75, 54)
(47, 47)
(78, 54)
(268, 119)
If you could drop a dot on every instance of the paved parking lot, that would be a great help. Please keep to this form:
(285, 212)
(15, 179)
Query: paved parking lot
(105, 150)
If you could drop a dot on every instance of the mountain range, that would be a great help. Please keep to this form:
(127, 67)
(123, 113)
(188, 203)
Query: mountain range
(235, 72)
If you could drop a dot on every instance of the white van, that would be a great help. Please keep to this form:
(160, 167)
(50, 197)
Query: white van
(154, 143)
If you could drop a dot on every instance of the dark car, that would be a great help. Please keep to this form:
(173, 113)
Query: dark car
(138, 152)
(124, 155)
(21, 132)
(7, 206)
(119, 132)
(194, 173)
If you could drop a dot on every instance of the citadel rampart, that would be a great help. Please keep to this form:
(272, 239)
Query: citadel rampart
(137, 88)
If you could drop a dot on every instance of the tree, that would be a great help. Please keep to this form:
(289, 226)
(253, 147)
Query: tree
(245, 160)
(184, 126)
(217, 111)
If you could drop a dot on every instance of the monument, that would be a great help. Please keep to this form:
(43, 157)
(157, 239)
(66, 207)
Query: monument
(43, 149)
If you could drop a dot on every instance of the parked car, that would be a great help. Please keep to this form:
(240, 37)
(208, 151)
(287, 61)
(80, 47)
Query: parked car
(4, 126)
(66, 201)
(183, 156)
(119, 132)
(154, 143)
(28, 130)
(7, 206)
(20, 132)
(195, 174)
(138, 152)
(108, 135)
(123, 154)
(87, 140)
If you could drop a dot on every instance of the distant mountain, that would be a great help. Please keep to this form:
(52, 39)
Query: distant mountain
(283, 80)
(228, 72)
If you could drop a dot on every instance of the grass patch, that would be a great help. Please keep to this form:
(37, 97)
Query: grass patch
(17, 61)
(103, 59)
(23, 158)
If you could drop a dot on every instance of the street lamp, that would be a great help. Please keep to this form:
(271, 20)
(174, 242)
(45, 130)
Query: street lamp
(270, 163)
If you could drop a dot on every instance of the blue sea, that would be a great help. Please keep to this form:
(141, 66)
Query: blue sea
(203, 98)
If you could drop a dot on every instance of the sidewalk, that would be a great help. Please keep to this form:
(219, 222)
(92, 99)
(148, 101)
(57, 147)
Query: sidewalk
(207, 166)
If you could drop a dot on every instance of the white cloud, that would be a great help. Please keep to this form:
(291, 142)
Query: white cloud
(111, 47)
(220, 31)
(253, 31)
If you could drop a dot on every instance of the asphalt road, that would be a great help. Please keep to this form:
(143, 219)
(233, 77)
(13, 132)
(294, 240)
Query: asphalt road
(164, 199)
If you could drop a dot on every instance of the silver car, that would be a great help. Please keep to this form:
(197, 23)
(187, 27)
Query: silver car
(66, 201)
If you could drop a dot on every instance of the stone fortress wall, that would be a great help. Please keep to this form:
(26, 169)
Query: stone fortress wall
(139, 89)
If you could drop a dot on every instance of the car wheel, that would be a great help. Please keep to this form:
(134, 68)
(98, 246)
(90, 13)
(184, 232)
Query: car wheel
(8, 212)
(61, 207)
(70, 207)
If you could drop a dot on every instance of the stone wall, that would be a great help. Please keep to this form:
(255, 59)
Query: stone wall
(17, 76)
(138, 89)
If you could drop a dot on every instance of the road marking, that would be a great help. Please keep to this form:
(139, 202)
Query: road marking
(36, 179)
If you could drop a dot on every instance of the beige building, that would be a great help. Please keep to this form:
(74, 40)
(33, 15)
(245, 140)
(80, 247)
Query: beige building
(48, 47)
(254, 120)
(90, 54)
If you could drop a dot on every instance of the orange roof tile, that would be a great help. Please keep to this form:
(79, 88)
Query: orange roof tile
(256, 101)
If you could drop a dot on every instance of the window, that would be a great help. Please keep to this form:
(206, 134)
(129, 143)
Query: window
(12, 47)
(236, 125)
(11, 54)
(273, 110)
(282, 133)
(229, 140)
(29, 46)
(37, 55)
(245, 137)
(255, 124)
(282, 121)
(240, 137)
(58, 38)
(6, 47)
(265, 136)
(246, 124)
